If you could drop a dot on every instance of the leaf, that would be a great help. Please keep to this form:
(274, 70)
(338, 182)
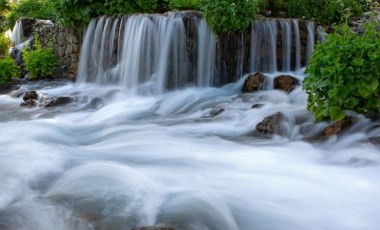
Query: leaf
(358, 61)
(336, 113)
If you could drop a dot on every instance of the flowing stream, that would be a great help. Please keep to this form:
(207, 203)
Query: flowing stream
(186, 158)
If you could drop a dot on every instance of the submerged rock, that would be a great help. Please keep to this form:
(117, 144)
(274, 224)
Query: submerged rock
(7, 88)
(339, 127)
(285, 82)
(271, 125)
(253, 82)
(59, 101)
(257, 106)
(29, 103)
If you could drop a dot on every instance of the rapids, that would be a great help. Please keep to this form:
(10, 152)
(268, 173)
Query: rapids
(166, 160)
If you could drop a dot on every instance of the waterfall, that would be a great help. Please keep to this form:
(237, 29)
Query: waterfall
(206, 60)
(263, 46)
(297, 43)
(150, 54)
(286, 35)
(16, 36)
(310, 40)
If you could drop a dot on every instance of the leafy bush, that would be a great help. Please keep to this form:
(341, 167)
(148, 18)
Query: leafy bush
(229, 15)
(184, 4)
(343, 74)
(8, 69)
(39, 62)
(5, 44)
(326, 11)
(273, 5)
(130, 6)
(41, 9)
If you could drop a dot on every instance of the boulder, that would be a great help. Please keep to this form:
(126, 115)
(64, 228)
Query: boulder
(253, 82)
(339, 127)
(285, 82)
(31, 95)
(270, 125)
(59, 101)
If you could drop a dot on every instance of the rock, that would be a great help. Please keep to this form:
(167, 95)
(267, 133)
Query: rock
(59, 101)
(213, 113)
(257, 106)
(29, 103)
(253, 82)
(31, 95)
(60, 72)
(339, 127)
(95, 103)
(153, 228)
(270, 125)
(7, 88)
(285, 82)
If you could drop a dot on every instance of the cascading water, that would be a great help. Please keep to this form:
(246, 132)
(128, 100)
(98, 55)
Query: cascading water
(310, 40)
(187, 158)
(151, 53)
(16, 36)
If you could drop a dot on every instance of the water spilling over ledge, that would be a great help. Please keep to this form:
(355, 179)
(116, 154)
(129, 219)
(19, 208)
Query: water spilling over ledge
(161, 52)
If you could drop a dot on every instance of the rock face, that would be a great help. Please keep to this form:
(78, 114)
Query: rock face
(7, 88)
(271, 125)
(66, 47)
(339, 127)
(285, 82)
(253, 82)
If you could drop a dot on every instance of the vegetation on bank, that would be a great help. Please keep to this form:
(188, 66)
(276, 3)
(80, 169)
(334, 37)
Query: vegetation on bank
(39, 62)
(343, 74)
(8, 69)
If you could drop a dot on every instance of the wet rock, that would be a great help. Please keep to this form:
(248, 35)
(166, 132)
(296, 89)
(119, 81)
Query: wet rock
(213, 113)
(285, 82)
(374, 140)
(153, 228)
(95, 103)
(7, 88)
(339, 127)
(31, 95)
(29, 103)
(27, 26)
(270, 125)
(59, 101)
(60, 72)
(257, 106)
(253, 82)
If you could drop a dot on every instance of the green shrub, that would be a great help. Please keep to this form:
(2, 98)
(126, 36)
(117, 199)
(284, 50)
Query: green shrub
(184, 4)
(8, 69)
(41, 9)
(343, 74)
(229, 15)
(39, 62)
(130, 6)
(326, 12)
(273, 5)
(5, 44)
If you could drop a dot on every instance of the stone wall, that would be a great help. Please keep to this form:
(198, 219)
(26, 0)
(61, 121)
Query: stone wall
(66, 47)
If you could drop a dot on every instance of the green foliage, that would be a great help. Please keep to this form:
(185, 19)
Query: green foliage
(184, 4)
(8, 69)
(229, 15)
(39, 62)
(129, 6)
(5, 44)
(326, 12)
(41, 9)
(77, 13)
(273, 5)
(343, 74)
